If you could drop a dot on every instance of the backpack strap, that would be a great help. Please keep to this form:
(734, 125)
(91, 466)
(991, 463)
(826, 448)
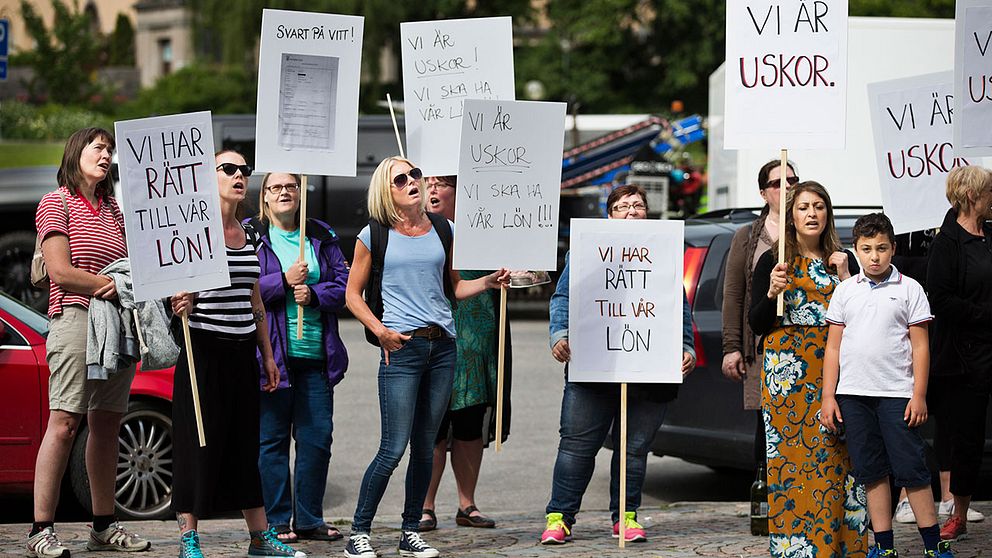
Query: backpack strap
(443, 229)
(379, 238)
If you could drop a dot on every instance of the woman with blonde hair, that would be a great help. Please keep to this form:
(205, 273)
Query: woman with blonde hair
(403, 266)
(959, 283)
(815, 507)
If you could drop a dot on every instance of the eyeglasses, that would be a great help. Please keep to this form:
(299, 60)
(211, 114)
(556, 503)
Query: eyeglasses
(400, 180)
(230, 168)
(792, 180)
(625, 207)
(440, 184)
(278, 188)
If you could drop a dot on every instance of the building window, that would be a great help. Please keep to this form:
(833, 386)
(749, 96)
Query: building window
(165, 56)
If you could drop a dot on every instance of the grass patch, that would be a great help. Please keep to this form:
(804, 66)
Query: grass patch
(30, 154)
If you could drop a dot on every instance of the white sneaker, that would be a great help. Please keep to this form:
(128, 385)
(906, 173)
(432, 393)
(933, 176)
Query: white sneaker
(947, 508)
(904, 512)
(45, 544)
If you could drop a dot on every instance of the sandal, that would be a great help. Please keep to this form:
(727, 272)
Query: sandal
(284, 533)
(466, 519)
(326, 532)
(428, 524)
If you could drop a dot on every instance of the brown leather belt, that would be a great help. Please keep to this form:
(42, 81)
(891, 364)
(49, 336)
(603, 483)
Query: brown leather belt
(430, 332)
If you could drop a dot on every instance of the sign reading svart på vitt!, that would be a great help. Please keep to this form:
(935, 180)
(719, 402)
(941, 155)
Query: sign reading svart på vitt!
(912, 123)
(175, 237)
(625, 300)
(786, 74)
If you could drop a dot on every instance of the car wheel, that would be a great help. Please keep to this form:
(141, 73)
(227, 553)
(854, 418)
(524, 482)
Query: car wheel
(16, 251)
(144, 463)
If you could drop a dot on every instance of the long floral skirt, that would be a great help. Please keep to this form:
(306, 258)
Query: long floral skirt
(816, 510)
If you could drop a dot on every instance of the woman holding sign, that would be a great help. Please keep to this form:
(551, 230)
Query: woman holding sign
(302, 405)
(589, 410)
(81, 231)
(403, 266)
(814, 503)
(227, 326)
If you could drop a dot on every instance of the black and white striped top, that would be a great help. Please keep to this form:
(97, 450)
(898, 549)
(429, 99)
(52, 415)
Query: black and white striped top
(227, 311)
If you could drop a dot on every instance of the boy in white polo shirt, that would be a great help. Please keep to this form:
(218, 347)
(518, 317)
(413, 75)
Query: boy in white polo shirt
(875, 383)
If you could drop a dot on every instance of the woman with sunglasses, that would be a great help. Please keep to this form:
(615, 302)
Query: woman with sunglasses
(301, 407)
(416, 333)
(227, 327)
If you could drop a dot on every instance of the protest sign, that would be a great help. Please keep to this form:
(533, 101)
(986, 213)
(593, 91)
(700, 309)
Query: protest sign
(911, 123)
(625, 301)
(786, 84)
(309, 66)
(445, 63)
(973, 78)
(509, 176)
(175, 237)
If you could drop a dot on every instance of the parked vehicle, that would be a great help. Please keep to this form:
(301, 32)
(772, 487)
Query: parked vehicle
(707, 424)
(144, 468)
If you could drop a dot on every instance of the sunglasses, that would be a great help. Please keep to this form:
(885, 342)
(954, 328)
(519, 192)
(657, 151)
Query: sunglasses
(792, 180)
(230, 168)
(400, 180)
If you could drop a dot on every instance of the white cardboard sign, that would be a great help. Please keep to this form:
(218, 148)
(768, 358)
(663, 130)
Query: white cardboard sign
(973, 78)
(786, 85)
(509, 179)
(445, 63)
(625, 301)
(911, 123)
(175, 237)
(309, 65)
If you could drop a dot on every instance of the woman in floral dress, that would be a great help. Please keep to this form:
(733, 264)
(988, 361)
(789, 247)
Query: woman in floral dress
(815, 508)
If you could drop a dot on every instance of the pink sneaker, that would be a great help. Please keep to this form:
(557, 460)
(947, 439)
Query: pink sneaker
(556, 532)
(633, 531)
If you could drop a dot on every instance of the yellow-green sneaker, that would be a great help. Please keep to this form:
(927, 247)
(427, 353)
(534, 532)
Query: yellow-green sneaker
(632, 530)
(556, 531)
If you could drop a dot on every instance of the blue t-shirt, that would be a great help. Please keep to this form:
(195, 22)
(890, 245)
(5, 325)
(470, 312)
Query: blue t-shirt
(413, 282)
(286, 245)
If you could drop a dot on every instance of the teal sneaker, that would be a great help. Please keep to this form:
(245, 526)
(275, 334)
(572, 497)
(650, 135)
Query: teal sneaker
(267, 545)
(189, 545)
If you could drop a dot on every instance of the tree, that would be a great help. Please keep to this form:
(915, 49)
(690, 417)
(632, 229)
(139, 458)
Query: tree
(120, 43)
(66, 57)
(902, 8)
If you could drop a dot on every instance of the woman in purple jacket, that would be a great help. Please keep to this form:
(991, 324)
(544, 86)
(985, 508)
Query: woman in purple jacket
(309, 368)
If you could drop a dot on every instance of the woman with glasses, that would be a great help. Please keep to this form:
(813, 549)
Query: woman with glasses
(227, 327)
(301, 407)
(590, 411)
(403, 259)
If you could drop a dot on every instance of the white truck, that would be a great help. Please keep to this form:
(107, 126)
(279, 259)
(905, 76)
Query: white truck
(879, 49)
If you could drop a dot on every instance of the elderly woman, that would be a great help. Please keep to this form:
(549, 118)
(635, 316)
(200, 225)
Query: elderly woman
(959, 279)
(227, 327)
(81, 230)
(815, 508)
(310, 290)
(403, 260)
(590, 411)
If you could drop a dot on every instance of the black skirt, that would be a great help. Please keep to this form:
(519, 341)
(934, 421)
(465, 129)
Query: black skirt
(223, 475)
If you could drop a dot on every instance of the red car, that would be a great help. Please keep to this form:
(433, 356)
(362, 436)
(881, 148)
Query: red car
(144, 467)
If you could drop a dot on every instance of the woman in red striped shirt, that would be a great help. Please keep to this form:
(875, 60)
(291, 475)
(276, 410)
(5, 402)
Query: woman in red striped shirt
(82, 231)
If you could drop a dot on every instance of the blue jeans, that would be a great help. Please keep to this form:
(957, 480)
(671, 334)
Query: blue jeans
(880, 442)
(413, 394)
(303, 410)
(588, 410)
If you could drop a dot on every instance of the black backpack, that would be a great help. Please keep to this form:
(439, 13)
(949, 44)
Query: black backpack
(379, 238)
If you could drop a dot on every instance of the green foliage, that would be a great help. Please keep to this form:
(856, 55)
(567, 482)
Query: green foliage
(902, 8)
(221, 89)
(29, 154)
(66, 57)
(120, 43)
(22, 121)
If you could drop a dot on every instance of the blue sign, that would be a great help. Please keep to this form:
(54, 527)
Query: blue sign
(3, 69)
(4, 37)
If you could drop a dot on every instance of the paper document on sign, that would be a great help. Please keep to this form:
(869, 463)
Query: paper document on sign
(307, 97)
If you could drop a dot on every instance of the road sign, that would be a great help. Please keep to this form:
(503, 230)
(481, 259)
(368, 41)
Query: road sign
(4, 44)
(3, 69)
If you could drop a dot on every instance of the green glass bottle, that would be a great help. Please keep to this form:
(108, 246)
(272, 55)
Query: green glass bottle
(759, 503)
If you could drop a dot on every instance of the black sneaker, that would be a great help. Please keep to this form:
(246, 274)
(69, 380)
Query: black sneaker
(359, 546)
(413, 546)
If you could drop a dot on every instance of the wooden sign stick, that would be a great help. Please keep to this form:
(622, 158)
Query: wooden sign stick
(623, 463)
(782, 195)
(499, 368)
(396, 129)
(192, 381)
(303, 246)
